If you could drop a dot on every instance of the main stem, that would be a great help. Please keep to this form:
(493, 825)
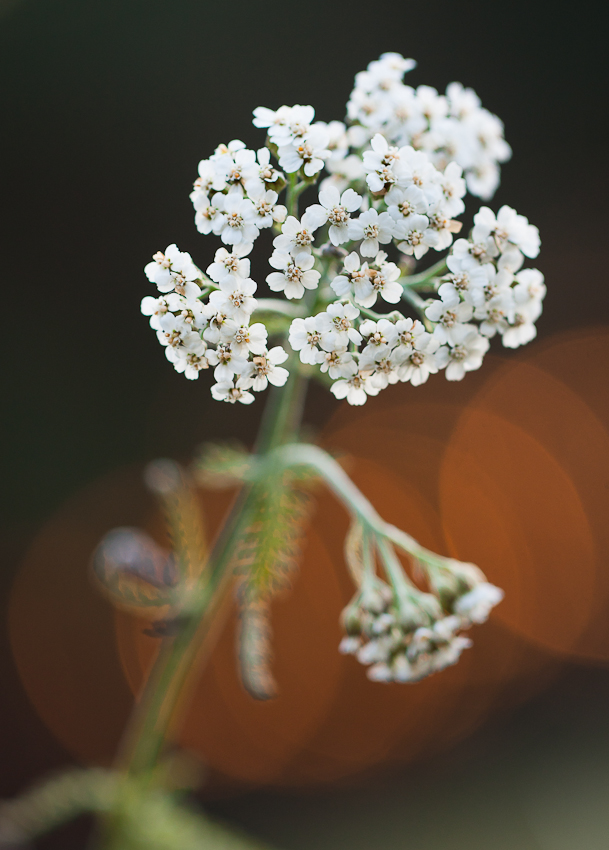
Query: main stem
(166, 691)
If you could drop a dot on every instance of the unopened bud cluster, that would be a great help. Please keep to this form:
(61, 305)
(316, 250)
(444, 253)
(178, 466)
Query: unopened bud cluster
(395, 179)
(404, 635)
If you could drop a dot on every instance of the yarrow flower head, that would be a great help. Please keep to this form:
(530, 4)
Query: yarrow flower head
(332, 289)
(392, 183)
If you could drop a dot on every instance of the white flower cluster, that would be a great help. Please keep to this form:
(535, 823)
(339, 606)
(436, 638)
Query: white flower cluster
(405, 640)
(485, 293)
(388, 198)
(452, 127)
(217, 333)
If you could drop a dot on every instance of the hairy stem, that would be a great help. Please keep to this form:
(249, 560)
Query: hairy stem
(302, 454)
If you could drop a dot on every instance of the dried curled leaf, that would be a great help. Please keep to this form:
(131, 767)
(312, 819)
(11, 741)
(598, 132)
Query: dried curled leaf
(255, 650)
(222, 465)
(134, 571)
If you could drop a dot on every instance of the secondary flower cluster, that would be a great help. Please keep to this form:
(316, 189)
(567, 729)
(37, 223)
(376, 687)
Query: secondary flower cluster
(450, 128)
(387, 199)
(406, 637)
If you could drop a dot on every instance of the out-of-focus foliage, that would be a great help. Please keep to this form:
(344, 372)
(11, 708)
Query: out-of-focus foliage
(133, 815)
(222, 465)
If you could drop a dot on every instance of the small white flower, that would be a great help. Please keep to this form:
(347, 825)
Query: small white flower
(528, 295)
(191, 359)
(380, 338)
(237, 222)
(477, 604)
(467, 279)
(297, 236)
(418, 237)
(265, 369)
(238, 167)
(466, 353)
(335, 326)
(190, 312)
(227, 362)
(415, 169)
(450, 314)
(496, 314)
(210, 179)
(381, 164)
(227, 391)
(423, 362)
(336, 210)
(156, 308)
(267, 209)
(403, 203)
(356, 390)
(507, 227)
(453, 189)
(245, 338)
(173, 269)
(383, 282)
(411, 335)
(338, 364)
(307, 153)
(481, 252)
(175, 334)
(231, 264)
(294, 126)
(268, 118)
(207, 215)
(384, 368)
(372, 228)
(443, 225)
(263, 175)
(218, 324)
(305, 337)
(235, 298)
(356, 279)
(296, 275)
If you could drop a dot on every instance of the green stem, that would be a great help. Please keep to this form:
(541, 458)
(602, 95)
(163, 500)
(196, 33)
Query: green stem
(395, 315)
(283, 410)
(303, 454)
(420, 280)
(155, 712)
(164, 691)
(419, 304)
(276, 305)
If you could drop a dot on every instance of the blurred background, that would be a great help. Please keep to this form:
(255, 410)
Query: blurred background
(107, 108)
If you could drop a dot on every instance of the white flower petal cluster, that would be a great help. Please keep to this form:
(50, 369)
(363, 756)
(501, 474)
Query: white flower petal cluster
(406, 638)
(450, 127)
(394, 184)
(301, 142)
(217, 333)
(486, 293)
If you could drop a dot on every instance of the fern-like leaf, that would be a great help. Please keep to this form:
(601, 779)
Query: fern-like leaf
(266, 557)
